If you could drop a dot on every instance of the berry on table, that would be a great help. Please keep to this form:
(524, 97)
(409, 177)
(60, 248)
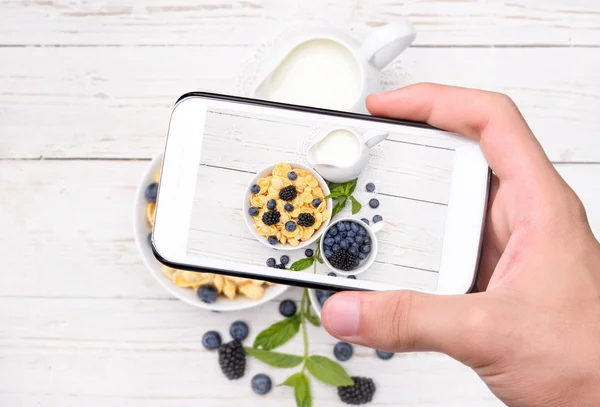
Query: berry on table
(292, 176)
(284, 259)
(309, 252)
(323, 296)
(384, 355)
(290, 226)
(232, 360)
(239, 330)
(306, 220)
(288, 207)
(361, 392)
(207, 293)
(280, 266)
(261, 384)
(272, 240)
(271, 218)
(255, 189)
(151, 192)
(365, 220)
(316, 202)
(377, 218)
(271, 262)
(352, 277)
(287, 308)
(342, 260)
(332, 274)
(253, 211)
(342, 351)
(288, 193)
(374, 203)
(211, 340)
(271, 204)
(370, 187)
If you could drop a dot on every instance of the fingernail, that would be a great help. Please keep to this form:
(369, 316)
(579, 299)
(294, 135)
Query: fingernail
(342, 313)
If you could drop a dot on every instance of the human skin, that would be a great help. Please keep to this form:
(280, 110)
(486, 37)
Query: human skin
(532, 331)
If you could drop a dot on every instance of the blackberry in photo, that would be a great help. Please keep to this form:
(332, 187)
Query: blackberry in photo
(360, 393)
(305, 220)
(271, 218)
(232, 360)
(343, 260)
(288, 193)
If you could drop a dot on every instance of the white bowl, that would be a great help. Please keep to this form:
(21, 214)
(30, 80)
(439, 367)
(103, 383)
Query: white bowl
(250, 221)
(141, 229)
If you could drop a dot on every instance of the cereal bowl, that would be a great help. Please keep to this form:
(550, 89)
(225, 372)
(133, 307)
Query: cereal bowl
(141, 227)
(271, 181)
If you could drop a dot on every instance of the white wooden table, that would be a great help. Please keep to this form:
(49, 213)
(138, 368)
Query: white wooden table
(85, 92)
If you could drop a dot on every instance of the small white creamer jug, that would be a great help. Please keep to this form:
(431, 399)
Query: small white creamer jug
(341, 153)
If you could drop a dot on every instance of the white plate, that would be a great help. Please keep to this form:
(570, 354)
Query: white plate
(141, 229)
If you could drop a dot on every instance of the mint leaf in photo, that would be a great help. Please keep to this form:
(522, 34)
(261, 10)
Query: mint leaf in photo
(302, 264)
(278, 333)
(292, 380)
(276, 359)
(350, 187)
(356, 206)
(328, 371)
(339, 206)
(302, 391)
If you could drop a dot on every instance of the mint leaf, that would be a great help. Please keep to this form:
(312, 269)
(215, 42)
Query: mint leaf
(350, 186)
(328, 371)
(275, 359)
(356, 206)
(313, 319)
(335, 194)
(339, 206)
(292, 380)
(278, 333)
(302, 391)
(302, 264)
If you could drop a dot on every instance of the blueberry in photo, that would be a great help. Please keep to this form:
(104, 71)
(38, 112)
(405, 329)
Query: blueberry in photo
(253, 211)
(367, 240)
(341, 227)
(370, 187)
(332, 274)
(328, 253)
(365, 220)
(308, 252)
(354, 227)
(337, 239)
(316, 202)
(261, 384)
(342, 351)
(323, 296)
(352, 277)
(359, 239)
(362, 231)
(355, 245)
(272, 240)
(344, 244)
(365, 249)
(271, 262)
(353, 251)
(284, 259)
(351, 234)
(377, 218)
(207, 293)
(328, 241)
(333, 230)
(374, 203)
(239, 330)
(290, 225)
(292, 176)
(271, 204)
(287, 308)
(280, 266)
(255, 189)
(211, 340)
(288, 207)
(384, 355)
(362, 256)
(151, 192)
(335, 247)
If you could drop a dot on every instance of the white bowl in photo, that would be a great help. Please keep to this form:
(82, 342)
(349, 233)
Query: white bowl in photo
(141, 230)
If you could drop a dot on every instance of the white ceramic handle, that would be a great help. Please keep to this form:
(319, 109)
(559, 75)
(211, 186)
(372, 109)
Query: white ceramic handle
(387, 42)
(374, 137)
(377, 227)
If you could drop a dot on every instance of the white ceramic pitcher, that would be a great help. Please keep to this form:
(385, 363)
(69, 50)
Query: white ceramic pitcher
(343, 173)
(333, 65)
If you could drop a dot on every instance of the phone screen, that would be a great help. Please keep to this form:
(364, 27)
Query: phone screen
(259, 190)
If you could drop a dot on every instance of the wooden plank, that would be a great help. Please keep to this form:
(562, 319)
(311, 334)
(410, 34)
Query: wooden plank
(58, 352)
(82, 104)
(241, 22)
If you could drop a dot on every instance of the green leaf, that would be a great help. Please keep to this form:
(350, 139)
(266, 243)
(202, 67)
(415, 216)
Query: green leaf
(276, 359)
(350, 186)
(302, 264)
(328, 371)
(313, 319)
(318, 252)
(355, 205)
(302, 391)
(292, 380)
(338, 207)
(278, 333)
(335, 194)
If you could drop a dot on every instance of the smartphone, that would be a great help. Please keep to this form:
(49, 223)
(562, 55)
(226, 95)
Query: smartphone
(221, 206)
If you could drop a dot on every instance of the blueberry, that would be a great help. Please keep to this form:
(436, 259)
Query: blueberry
(308, 252)
(333, 230)
(352, 277)
(253, 211)
(151, 192)
(211, 340)
(328, 242)
(354, 227)
(362, 232)
(323, 296)
(149, 239)
(239, 330)
(272, 240)
(290, 226)
(271, 204)
(374, 203)
(292, 175)
(355, 245)
(359, 239)
(280, 266)
(384, 355)
(207, 293)
(255, 189)
(287, 308)
(365, 249)
(261, 384)
(353, 251)
(328, 253)
(343, 234)
(351, 234)
(316, 202)
(271, 262)
(342, 351)
(288, 207)
(341, 226)
(350, 241)
(332, 274)
(365, 220)
(344, 244)
(370, 187)
(337, 239)
(362, 256)
(377, 218)
(335, 247)
(367, 240)
(284, 259)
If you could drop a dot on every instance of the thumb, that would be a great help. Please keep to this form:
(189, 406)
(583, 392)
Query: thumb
(406, 321)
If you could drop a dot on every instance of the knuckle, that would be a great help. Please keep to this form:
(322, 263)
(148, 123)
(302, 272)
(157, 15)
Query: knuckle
(400, 320)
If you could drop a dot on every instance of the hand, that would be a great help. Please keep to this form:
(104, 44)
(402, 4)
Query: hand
(532, 332)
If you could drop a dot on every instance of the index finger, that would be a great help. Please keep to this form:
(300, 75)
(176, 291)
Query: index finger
(506, 140)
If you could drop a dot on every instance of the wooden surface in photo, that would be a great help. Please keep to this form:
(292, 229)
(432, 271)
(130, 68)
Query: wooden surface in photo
(86, 89)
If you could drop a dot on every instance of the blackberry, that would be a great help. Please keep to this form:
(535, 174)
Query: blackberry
(342, 260)
(232, 360)
(306, 220)
(288, 193)
(253, 211)
(288, 207)
(271, 217)
(360, 393)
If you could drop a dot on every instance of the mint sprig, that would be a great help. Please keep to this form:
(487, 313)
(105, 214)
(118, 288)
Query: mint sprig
(341, 193)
